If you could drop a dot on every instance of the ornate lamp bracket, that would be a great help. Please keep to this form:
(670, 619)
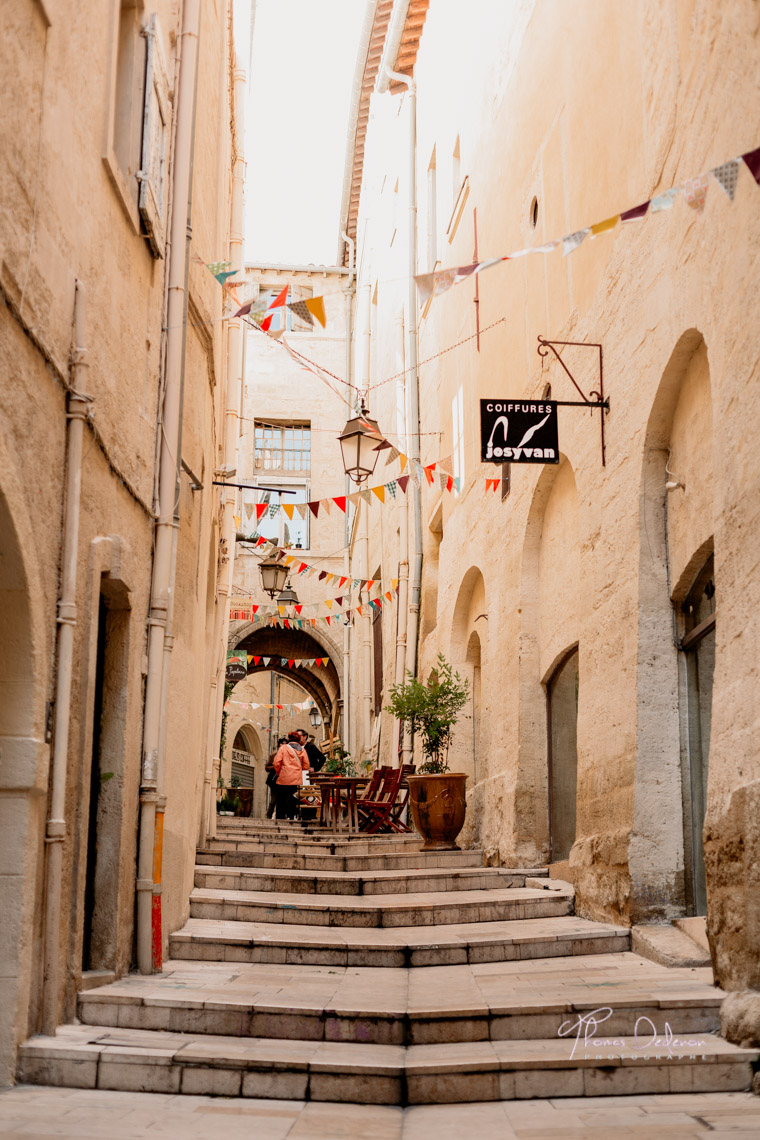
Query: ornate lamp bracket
(596, 397)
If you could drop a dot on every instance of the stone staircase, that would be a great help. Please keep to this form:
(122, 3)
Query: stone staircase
(355, 968)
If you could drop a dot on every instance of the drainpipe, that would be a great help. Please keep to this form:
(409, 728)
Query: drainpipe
(170, 430)
(349, 289)
(403, 582)
(365, 723)
(231, 434)
(412, 388)
(77, 412)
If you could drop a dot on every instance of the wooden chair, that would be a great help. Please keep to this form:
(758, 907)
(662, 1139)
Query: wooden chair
(376, 813)
(370, 792)
(403, 799)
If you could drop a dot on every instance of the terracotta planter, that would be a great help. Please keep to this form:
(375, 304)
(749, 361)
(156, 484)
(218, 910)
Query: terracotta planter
(438, 808)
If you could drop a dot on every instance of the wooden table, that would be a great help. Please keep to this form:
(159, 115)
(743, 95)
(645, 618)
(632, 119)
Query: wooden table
(339, 793)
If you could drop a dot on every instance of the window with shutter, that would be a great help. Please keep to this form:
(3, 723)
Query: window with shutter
(152, 175)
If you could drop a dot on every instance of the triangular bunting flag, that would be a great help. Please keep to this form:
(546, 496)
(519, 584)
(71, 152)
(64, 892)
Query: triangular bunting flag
(572, 241)
(288, 509)
(380, 492)
(402, 482)
(248, 510)
(325, 505)
(429, 473)
(260, 510)
(635, 214)
(237, 519)
(280, 299)
(340, 501)
(695, 192)
(391, 488)
(314, 507)
(727, 176)
(266, 323)
(403, 460)
(301, 508)
(663, 201)
(342, 582)
(393, 454)
(365, 496)
(301, 310)
(752, 162)
(450, 483)
(443, 480)
(316, 306)
(607, 224)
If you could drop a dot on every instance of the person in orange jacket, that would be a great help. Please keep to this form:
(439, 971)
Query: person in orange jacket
(289, 763)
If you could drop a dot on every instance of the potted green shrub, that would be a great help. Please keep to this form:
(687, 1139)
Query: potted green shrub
(436, 795)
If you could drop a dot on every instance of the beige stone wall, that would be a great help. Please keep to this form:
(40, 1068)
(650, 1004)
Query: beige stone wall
(67, 213)
(591, 109)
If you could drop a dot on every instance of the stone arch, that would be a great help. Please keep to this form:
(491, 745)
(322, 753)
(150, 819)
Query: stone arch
(676, 531)
(549, 628)
(22, 771)
(469, 628)
(250, 738)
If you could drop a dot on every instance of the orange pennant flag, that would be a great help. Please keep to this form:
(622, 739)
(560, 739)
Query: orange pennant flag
(403, 461)
(288, 509)
(329, 603)
(316, 306)
(380, 492)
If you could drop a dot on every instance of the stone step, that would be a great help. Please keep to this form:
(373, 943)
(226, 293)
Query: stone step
(325, 861)
(318, 844)
(589, 994)
(437, 908)
(84, 1056)
(455, 944)
(372, 883)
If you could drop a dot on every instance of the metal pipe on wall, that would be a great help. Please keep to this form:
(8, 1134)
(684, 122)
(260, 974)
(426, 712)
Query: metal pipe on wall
(412, 387)
(349, 290)
(77, 412)
(403, 577)
(170, 430)
(234, 365)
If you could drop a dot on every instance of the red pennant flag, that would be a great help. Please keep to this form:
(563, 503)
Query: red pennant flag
(265, 324)
(322, 575)
(257, 660)
(278, 706)
(429, 473)
(280, 299)
(261, 541)
(450, 483)
(291, 662)
(298, 609)
(260, 509)
(254, 609)
(314, 508)
(342, 582)
(634, 214)
(286, 623)
(402, 482)
(340, 500)
(752, 159)
(340, 600)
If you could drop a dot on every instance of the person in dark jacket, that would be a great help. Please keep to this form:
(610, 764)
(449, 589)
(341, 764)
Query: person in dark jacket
(317, 758)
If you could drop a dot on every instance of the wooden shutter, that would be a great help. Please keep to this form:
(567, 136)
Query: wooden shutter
(155, 143)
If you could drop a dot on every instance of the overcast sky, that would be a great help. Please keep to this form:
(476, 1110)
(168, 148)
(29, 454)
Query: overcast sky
(304, 54)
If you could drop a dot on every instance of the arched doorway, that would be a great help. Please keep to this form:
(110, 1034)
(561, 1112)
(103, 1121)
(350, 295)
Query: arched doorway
(470, 621)
(666, 862)
(562, 748)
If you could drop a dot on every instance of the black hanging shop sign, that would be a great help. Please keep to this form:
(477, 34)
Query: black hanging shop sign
(523, 431)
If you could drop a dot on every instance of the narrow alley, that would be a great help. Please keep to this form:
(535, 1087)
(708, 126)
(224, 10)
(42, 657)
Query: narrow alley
(379, 569)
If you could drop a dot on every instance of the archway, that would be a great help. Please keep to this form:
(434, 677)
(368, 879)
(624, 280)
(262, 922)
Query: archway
(676, 539)
(21, 810)
(549, 632)
(469, 623)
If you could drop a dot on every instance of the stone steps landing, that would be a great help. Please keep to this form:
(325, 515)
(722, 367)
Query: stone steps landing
(342, 859)
(208, 940)
(437, 908)
(394, 1008)
(372, 883)
(83, 1056)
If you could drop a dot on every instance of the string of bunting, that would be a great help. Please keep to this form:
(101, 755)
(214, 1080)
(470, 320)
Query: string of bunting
(308, 310)
(693, 190)
(346, 583)
(292, 707)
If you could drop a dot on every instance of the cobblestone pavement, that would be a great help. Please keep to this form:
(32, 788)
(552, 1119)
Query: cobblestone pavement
(28, 1112)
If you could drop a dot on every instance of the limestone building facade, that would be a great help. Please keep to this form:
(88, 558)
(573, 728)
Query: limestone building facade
(604, 609)
(114, 195)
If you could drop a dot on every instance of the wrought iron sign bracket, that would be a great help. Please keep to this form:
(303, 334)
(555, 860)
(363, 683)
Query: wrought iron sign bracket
(545, 346)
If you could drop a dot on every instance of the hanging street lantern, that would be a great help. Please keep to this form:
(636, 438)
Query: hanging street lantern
(288, 597)
(274, 575)
(315, 717)
(358, 445)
